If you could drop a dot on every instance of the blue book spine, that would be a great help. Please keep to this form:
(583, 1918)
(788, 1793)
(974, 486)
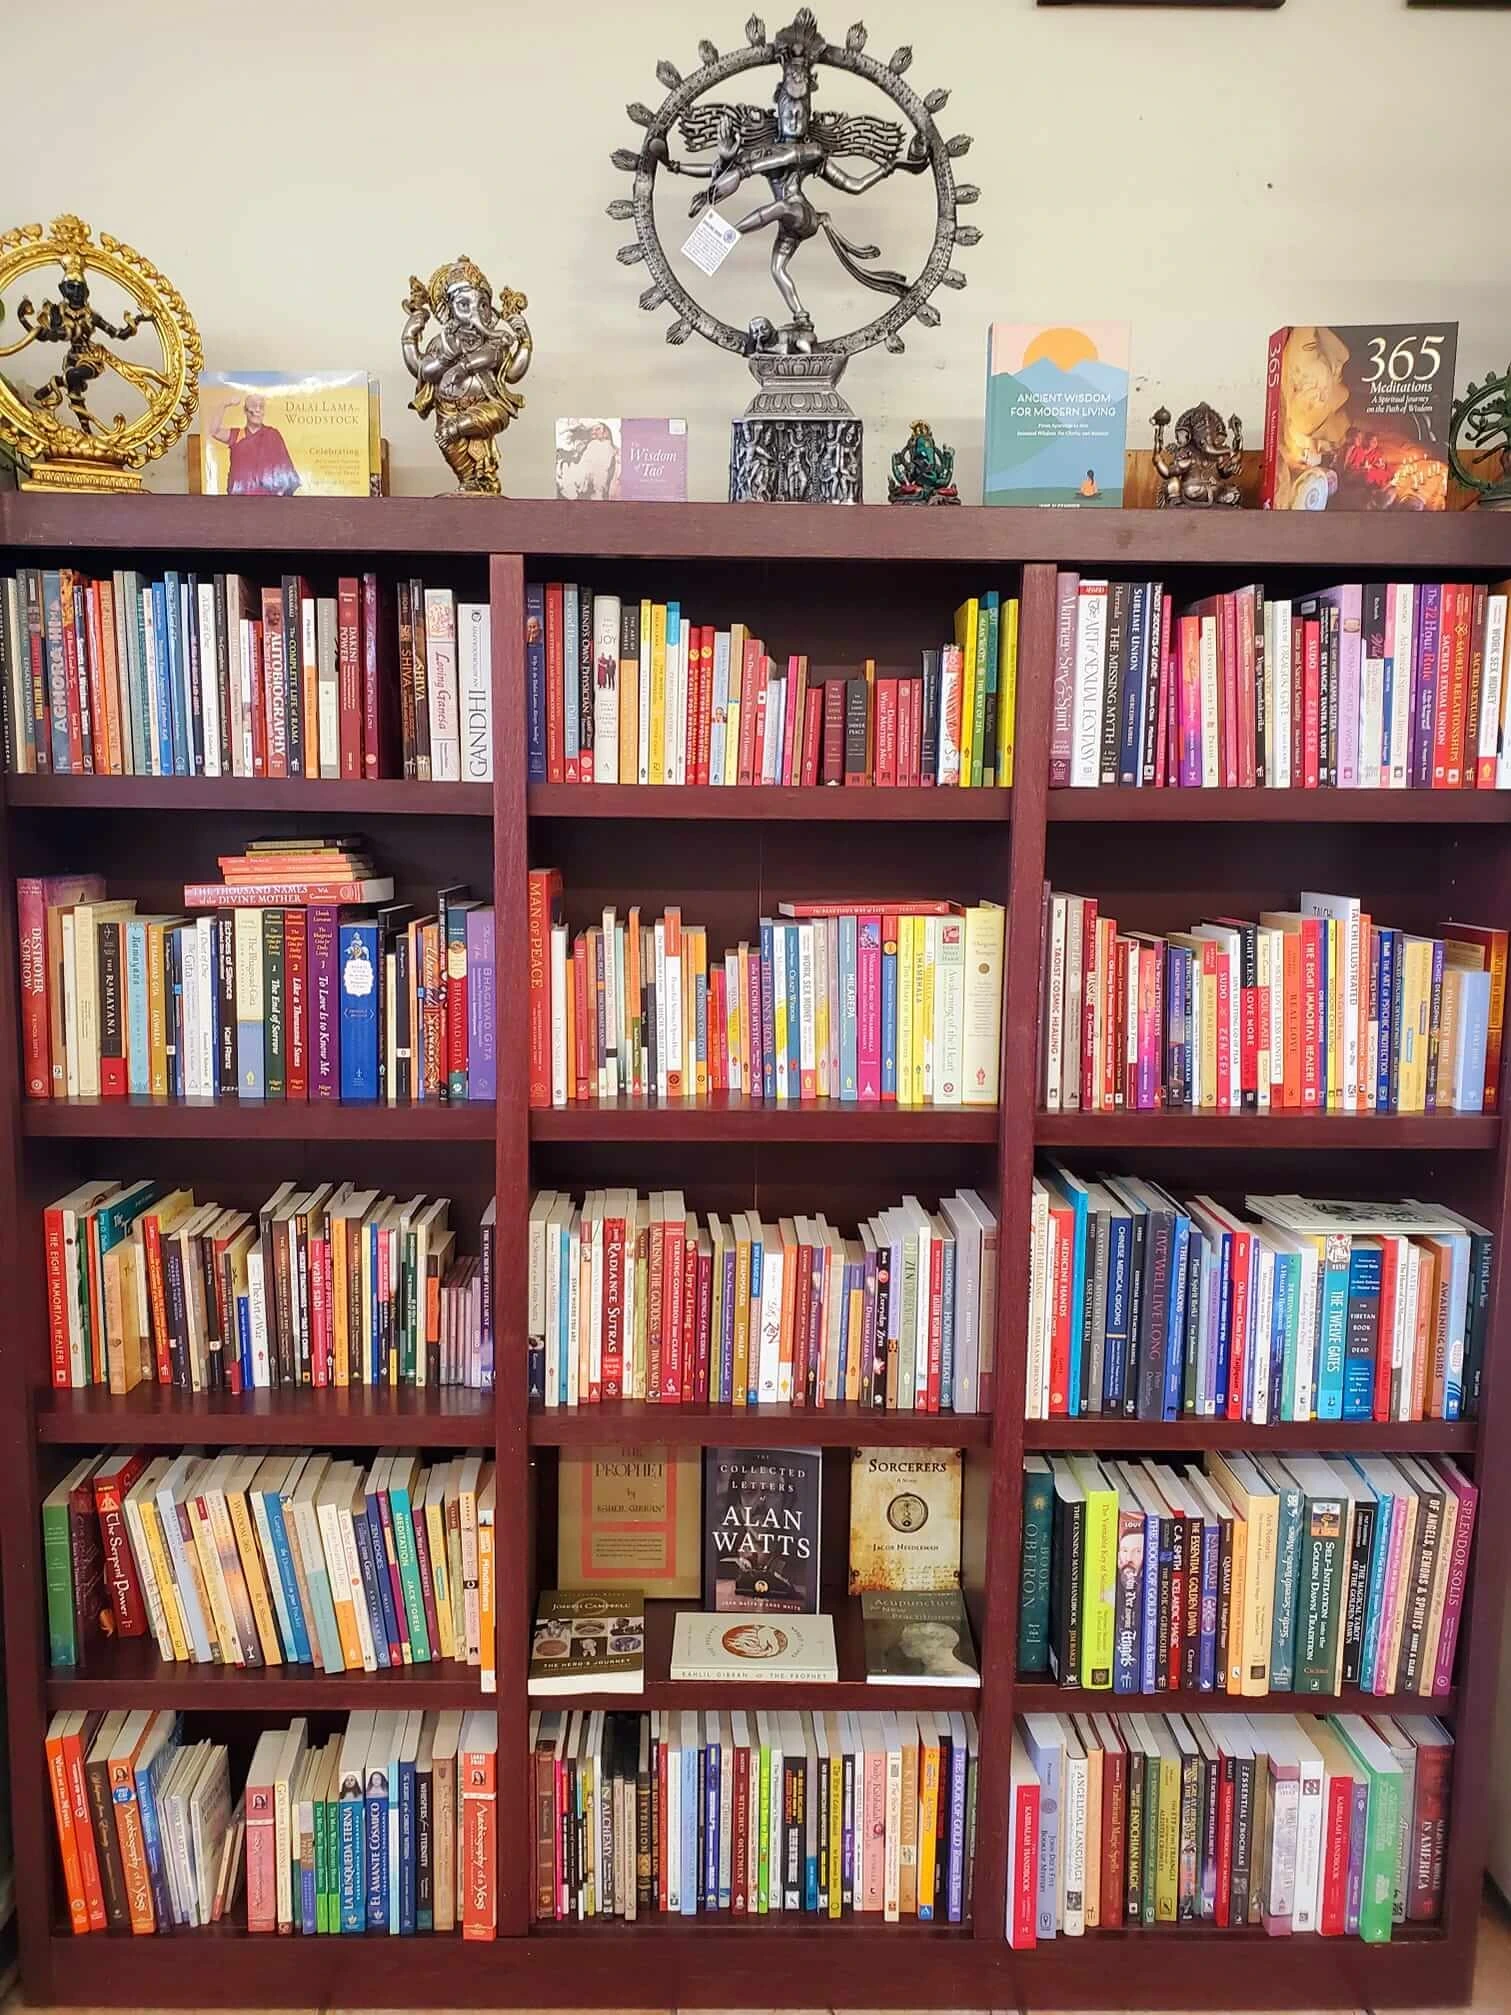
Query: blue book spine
(757, 1268)
(352, 1864)
(535, 679)
(141, 714)
(1474, 1033)
(183, 729)
(1149, 1618)
(244, 1339)
(406, 1850)
(1374, 1604)
(288, 1579)
(849, 1080)
(1385, 961)
(1360, 1333)
(152, 1835)
(1180, 1243)
(158, 618)
(380, 1572)
(1387, 701)
(947, 1331)
(368, 1569)
(711, 1826)
(955, 1884)
(1047, 1761)
(1333, 1295)
(138, 1062)
(377, 1853)
(768, 1011)
(1206, 1663)
(1224, 1355)
(359, 1012)
(1115, 1350)
(690, 1831)
(791, 967)
(889, 1018)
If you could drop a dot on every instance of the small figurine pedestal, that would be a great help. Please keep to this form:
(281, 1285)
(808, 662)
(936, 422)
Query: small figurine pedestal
(798, 441)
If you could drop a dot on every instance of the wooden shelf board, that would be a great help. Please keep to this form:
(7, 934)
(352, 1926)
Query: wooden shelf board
(355, 1416)
(815, 805)
(381, 797)
(1106, 1433)
(129, 1673)
(850, 1690)
(1035, 1696)
(1286, 1129)
(729, 1116)
(1119, 806)
(238, 1119)
(1420, 543)
(843, 1426)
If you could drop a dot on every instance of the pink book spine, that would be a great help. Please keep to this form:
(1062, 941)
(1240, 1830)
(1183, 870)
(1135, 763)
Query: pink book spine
(1458, 1572)
(1188, 657)
(1148, 1065)
(262, 1880)
(1385, 1676)
(1062, 709)
(873, 1859)
(868, 1006)
(1158, 776)
(831, 981)
(1349, 602)
(320, 1358)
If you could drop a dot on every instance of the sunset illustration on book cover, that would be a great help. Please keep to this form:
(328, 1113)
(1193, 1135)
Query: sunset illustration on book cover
(270, 434)
(1056, 414)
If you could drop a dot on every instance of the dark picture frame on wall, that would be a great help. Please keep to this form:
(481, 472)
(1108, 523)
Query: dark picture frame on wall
(1249, 5)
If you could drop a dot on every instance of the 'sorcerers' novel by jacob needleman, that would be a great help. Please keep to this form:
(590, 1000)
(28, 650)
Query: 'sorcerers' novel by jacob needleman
(1056, 414)
(269, 434)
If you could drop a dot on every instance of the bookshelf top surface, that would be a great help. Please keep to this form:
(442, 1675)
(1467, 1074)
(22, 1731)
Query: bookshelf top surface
(456, 525)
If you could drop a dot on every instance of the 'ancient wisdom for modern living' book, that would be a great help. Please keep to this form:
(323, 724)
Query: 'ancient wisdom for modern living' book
(1056, 413)
(761, 1528)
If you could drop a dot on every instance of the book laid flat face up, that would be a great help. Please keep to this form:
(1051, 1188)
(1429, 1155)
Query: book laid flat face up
(706, 1647)
(918, 1639)
(588, 1642)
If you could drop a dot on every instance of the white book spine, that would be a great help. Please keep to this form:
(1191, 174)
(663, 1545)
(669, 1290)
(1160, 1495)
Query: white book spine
(209, 679)
(807, 1061)
(643, 701)
(951, 678)
(1308, 1843)
(1284, 691)
(1401, 684)
(204, 930)
(718, 736)
(1306, 1331)
(328, 689)
(1491, 747)
(474, 665)
(1038, 1273)
(1090, 676)
(605, 689)
(257, 1317)
(440, 663)
(1371, 720)
(248, 630)
(1073, 1847)
(189, 943)
(769, 1372)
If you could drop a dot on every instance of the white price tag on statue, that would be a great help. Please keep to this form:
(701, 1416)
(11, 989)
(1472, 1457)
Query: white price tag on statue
(711, 242)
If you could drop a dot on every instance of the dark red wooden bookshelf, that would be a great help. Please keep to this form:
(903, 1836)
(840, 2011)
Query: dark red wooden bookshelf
(844, 584)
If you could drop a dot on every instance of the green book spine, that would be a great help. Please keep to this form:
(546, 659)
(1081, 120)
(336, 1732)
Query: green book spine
(1382, 1834)
(409, 1574)
(57, 1558)
(1099, 1575)
(1033, 1586)
(317, 1834)
(1320, 1598)
(274, 1046)
(1287, 1576)
(984, 751)
(1150, 1872)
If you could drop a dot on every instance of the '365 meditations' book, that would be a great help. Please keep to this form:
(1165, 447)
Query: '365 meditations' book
(1056, 414)
(761, 1528)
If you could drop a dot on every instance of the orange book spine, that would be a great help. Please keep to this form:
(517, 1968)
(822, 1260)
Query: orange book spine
(83, 1823)
(68, 1846)
(479, 1844)
(1427, 1302)
(128, 1827)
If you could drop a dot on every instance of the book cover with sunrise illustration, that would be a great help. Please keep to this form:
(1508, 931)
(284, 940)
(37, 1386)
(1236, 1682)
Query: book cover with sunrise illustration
(1056, 414)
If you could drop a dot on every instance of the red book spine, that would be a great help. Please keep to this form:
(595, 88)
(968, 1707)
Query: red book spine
(834, 731)
(886, 732)
(121, 1577)
(692, 703)
(296, 1005)
(1442, 708)
(275, 682)
(1114, 1837)
(1232, 717)
(1458, 686)
(1089, 996)
(813, 732)
(655, 1252)
(351, 684)
(936, 1321)
(1429, 1834)
(57, 1296)
(1166, 761)
(1225, 1057)
(152, 1250)
(1311, 705)
(31, 932)
(749, 679)
(673, 1289)
(1059, 1342)
(544, 893)
(1332, 1918)
(613, 1307)
(1272, 376)
(555, 688)
(718, 1031)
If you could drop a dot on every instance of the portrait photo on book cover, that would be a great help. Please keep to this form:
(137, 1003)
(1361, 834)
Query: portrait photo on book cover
(928, 1647)
(269, 434)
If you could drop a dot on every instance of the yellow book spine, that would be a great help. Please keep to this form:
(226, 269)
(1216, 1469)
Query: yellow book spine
(1263, 1521)
(658, 772)
(1007, 693)
(966, 619)
(1238, 1605)
(1098, 1588)
(852, 1346)
(928, 1822)
(836, 1833)
(1334, 1015)
(487, 1619)
(1167, 1841)
(435, 1532)
(923, 1005)
(162, 1574)
(905, 1010)
(251, 1568)
(157, 1012)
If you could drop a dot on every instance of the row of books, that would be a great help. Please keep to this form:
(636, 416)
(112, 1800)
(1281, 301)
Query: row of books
(620, 691)
(1316, 1009)
(1334, 1824)
(263, 999)
(212, 675)
(331, 1285)
(895, 1002)
(1158, 1309)
(807, 1814)
(389, 1826)
(1389, 685)
(256, 1558)
(630, 1297)
(1246, 1574)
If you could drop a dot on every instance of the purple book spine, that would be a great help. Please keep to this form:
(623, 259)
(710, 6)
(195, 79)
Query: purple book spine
(485, 1321)
(1424, 721)
(482, 1007)
(325, 1002)
(1358, 1823)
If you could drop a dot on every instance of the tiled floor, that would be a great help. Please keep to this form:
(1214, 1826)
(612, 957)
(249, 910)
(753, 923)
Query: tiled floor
(1492, 1982)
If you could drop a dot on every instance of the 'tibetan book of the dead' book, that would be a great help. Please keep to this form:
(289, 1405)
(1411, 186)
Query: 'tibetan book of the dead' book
(905, 1518)
(588, 1642)
(628, 1517)
(761, 1528)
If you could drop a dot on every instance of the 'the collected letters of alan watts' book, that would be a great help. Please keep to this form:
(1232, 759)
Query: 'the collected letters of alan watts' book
(761, 1528)
(629, 1516)
(905, 1518)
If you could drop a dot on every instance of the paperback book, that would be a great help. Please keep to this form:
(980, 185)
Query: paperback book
(761, 1528)
(916, 1639)
(905, 1519)
(1056, 414)
(588, 1641)
(786, 1649)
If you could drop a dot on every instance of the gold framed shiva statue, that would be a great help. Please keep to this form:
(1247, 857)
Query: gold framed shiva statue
(55, 426)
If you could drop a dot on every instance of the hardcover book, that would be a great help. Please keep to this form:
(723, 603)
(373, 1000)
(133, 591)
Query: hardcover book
(708, 1647)
(904, 1519)
(1357, 418)
(761, 1528)
(630, 1515)
(1056, 414)
(918, 1639)
(588, 1642)
(269, 434)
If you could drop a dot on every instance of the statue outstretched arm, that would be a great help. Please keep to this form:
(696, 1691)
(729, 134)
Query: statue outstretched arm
(416, 305)
(126, 331)
(524, 351)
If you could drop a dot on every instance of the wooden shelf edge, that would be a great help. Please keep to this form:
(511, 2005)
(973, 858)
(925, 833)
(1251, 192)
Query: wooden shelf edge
(1041, 1696)
(273, 1691)
(1286, 1129)
(332, 1417)
(236, 1119)
(1100, 1432)
(845, 1426)
(1120, 806)
(869, 804)
(381, 797)
(732, 1117)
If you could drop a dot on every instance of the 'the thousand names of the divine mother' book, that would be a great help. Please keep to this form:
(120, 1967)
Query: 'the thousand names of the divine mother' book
(1056, 414)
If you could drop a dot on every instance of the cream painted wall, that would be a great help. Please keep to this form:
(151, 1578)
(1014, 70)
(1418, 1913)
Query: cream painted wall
(1203, 175)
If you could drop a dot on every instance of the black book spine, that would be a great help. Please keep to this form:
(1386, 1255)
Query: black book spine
(112, 1021)
(196, 644)
(857, 714)
(223, 677)
(176, 1302)
(929, 743)
(1136, 1297)
(1356, 1600)
(1481, 1253)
